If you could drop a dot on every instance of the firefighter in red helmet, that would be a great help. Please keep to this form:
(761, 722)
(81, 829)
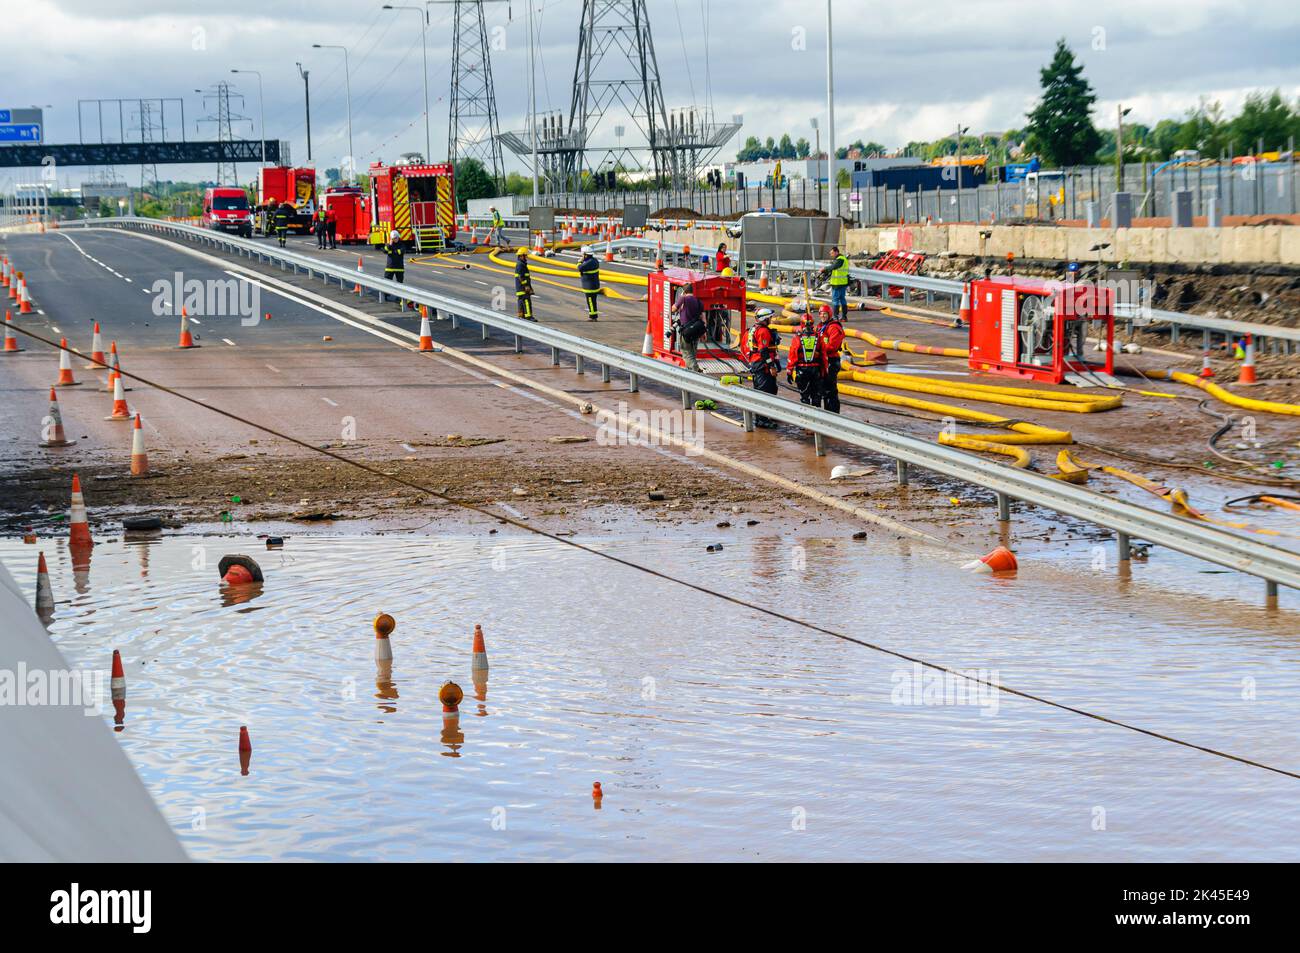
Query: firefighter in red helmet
(806, 365)
(831, 334)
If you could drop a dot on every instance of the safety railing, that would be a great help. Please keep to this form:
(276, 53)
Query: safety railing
(1128, 520)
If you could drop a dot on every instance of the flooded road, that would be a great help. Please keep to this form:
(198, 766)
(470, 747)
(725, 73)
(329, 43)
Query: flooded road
(717, 733)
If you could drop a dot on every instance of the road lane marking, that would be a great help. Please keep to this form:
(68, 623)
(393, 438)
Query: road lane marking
(328, 401)
(408, 448)
(274, 368)
(228, 341)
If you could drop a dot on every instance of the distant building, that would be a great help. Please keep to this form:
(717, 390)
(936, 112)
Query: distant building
(813, 170)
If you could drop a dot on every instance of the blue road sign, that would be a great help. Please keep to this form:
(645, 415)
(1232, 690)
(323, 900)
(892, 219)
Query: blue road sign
(23, 132)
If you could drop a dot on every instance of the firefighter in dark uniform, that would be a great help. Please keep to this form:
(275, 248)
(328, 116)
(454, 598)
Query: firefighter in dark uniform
(395, 264)
(589, 271)
(282, 213)
(831, 334)
(761, 347)
(524, 286)
(806, 366)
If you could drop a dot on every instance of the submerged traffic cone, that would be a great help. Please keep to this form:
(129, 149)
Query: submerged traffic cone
(53, 429)
(596, 794)
(1000, 559)
(11, 342)
(426, 336)
(1246, 376)
(450, 695)
(44, 592)
(384, 626)
(139, 459)
(120, 410)
(78, 527)
(186, 340)
(478, 662)
(96, 352)
(117, 679)
(963, 310)
(65, 366)
(1206, 369)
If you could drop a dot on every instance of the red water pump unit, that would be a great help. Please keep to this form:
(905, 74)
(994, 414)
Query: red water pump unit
(723, 298)
(1038, 329)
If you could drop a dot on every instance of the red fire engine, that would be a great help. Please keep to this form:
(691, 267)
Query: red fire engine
(1024, 327)
(418, 200)
(284, 184)
(351, 208)
(723, 298)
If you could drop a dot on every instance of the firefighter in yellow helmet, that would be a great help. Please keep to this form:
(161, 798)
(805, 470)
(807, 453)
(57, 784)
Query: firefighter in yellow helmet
(523, 286)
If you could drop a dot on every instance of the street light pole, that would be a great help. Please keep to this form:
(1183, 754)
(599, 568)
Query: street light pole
(532, 99)
(347, 85)
(424, 49)
(833, 206)
(306, 91)
(1120, 113)
(818, 158)
(261, 108)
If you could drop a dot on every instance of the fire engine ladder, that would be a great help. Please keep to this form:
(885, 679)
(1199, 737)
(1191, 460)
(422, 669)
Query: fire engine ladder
(430, 238)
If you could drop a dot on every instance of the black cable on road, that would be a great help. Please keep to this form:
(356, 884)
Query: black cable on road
(696, 587)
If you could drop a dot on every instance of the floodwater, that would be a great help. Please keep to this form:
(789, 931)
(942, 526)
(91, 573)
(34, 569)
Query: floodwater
(716, 733)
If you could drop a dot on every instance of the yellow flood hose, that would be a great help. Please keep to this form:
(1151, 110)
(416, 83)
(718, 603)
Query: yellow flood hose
(1227, 396)
(906, 346)
(993, 394)
(508, 269)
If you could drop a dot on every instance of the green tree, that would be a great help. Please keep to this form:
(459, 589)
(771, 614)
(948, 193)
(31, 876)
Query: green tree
(786, 150)
(802, 149)
(473, 182)
(1265, 117)
(1060, 127)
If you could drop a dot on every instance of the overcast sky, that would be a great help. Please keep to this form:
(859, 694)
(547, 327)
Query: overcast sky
(902, 71)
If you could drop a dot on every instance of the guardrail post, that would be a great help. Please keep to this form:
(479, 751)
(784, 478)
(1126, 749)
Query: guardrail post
(1004, 508)
(1270, 591)
(900, 468)
(1125, 551)
(485, 332)
(519, 344)
(1173, 334)
(555, 357)
(748, 416)
(455, 322)
(819, 444)
(633, 384)
(686, 400)
(579, 365)
(604, 373)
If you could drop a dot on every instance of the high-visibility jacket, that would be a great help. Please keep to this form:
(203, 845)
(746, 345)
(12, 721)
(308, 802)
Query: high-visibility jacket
(497, 220)
(806, 350)
(831, 333)
(839, 271)
(761, 343)
(589, 270)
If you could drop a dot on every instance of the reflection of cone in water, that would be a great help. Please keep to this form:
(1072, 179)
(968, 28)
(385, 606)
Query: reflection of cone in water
(139, 459)
(426, 336)
(999, 560)
(78, 527)
(80, 553)
(385, 688)
(384, 626)
(65, 366)
(120, 410)
(44, 591)
(96, 351)
(245, 750)
(187, 340)
(54, 435)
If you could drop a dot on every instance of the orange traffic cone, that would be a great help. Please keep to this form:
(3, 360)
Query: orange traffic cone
(999, 560)
(13, 285)
(450, 695)
(24, 298)
(361, 270)
(117, 678)
(96, 352)
(963, 310)
(648, 344)
(478, 661)
(426, 336)
(186, 340)
(120, 411)
(4, 271)
(762, 277)
(78, 527)
(11, 342)
(1246, 376)
(596, 794)
(54, 435)
(1206, 369)
(139, 459)
(44, 592)
(114, 368)
(65, 366)
(384, 626)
